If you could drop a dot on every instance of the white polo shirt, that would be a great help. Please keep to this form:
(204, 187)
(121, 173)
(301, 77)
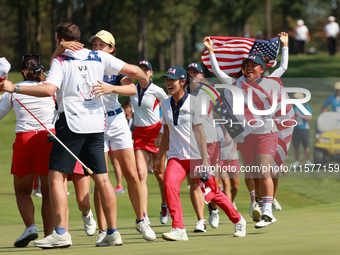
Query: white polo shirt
(42, 107)
(301, 33)
(74, 73)
(332, 29)
(180, 121)
(146, 105)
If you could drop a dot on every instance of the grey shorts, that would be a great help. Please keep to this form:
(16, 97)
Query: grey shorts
(300, 136)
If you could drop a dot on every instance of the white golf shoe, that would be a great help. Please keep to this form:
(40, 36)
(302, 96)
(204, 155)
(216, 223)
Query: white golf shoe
(267, 218)
(200, 226)
(90, 224)
(276, 205)
(147, 232)
(240, 228)
(30, 233)
(110, 240)
(55, 241)
(165, 215)
(214, 218)
(256, 213)
(176, 234)
(100, 237)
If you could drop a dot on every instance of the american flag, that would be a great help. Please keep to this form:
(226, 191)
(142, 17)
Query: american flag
(230, 51)
(261, 101)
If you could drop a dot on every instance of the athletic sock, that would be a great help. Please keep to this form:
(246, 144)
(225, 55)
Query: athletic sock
(111, 231)
(267, 203)
(261, 203)
(252, 196)
(137, 221)
(164, 206)
(60, 231)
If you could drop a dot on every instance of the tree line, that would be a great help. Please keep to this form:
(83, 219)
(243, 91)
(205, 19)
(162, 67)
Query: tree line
(165, 32)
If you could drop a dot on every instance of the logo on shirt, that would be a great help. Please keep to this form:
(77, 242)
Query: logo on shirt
(93, 56)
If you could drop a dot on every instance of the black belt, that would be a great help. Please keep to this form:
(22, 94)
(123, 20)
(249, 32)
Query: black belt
(113, 113)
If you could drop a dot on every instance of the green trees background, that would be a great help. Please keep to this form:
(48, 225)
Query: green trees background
(166, 32)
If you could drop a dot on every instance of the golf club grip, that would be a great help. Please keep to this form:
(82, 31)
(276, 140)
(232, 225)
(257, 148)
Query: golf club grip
(56, 138)
(89, 170)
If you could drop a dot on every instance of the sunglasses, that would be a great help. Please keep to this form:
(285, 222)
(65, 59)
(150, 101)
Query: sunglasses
(32, 56)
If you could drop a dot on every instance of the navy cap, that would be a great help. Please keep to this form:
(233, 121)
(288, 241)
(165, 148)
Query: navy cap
(175, 72)
(146, 63)
(196, 66)
(255, 57)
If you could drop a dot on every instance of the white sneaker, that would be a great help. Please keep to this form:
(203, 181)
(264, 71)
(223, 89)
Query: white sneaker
(176, 234)
(276, 205)
(109, 240)
(266, 219)
(240, 228)
(200, 226)
(37, 193)
(165, 215)
(146, 218)
(55, 241)
(214, 218)
(90, 224)
(147, 232)
(234, 204)
(256, 213)
(251, 208)
(100, 237)
(309, 164)
(296, 164)
(29, 234)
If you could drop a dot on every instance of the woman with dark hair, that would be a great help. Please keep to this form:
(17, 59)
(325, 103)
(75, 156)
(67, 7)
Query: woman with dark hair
(185, 137)
(31, 148)
(252, 183)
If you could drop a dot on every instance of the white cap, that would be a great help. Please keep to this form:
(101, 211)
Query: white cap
(300, 22)
(331, 18)
(5, 66)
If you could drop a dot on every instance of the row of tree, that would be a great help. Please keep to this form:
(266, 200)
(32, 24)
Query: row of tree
(164, 32)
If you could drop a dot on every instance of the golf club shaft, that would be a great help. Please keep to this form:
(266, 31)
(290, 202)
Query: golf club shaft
(54, 136)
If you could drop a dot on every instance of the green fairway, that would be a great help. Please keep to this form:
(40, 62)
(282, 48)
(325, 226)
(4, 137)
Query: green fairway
(308, 224)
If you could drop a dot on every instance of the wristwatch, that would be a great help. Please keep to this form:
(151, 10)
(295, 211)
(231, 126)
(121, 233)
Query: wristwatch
(17, 88)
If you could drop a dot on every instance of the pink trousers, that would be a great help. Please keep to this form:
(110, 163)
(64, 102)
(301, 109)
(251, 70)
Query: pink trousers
(175, 173)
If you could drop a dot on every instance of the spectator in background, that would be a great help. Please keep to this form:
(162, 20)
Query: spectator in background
(301, 36)
(301, 131)
(259, 35)
(333, 100)
(331, 31)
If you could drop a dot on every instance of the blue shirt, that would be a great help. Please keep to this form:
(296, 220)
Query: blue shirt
(302, 123)
(334, 101)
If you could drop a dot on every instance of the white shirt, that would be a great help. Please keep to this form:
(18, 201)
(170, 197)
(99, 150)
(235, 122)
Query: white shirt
(183, 144)
(301, 33)
(332, 29)
(145, 105)
(74, 73)
(41, 107)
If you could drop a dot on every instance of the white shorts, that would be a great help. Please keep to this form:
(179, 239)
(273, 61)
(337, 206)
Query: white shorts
(117, 135)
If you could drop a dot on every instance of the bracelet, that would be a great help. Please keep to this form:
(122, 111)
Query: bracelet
(61, 44)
